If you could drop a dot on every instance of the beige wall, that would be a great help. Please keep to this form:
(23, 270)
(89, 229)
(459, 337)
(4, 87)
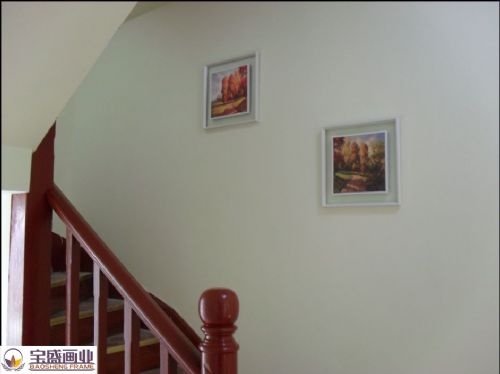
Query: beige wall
(16, 168)
(378, 290)
(47, 49)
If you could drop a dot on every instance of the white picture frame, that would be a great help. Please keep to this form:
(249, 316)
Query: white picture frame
(231, 91)
(361, 164)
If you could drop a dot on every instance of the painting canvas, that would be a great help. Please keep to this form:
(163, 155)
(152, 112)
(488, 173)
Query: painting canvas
(229, 92)
(359, 163)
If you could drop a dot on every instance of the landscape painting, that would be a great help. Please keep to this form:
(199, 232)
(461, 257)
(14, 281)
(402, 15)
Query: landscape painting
(360, 163)
(229, 94)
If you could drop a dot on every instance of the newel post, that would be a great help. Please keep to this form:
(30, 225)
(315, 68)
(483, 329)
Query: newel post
(219, 308)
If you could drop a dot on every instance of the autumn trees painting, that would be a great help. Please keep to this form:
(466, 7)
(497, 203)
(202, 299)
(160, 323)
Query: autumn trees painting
(359, 163)
(230, 92)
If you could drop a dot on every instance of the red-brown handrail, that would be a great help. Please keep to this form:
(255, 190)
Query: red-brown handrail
(179, 321)
(182, 350)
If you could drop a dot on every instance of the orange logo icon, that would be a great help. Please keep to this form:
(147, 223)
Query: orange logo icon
(12, 360)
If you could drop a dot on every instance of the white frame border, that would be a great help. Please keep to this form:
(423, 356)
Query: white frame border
(397, 168)
(256, 88)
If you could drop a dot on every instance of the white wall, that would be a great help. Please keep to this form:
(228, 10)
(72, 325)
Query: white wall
(16, 168)
(47, 49)
(378, 290)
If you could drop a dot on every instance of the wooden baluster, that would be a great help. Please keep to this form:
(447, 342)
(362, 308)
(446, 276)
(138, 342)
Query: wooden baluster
(168, 364)
(72, 288)
(219, 308)
(100, 317)
(132, 330)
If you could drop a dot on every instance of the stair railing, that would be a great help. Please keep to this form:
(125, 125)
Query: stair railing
(218, 307)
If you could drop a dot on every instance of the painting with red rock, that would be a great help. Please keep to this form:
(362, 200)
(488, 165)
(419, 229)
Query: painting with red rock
(360, 163)
(229, 92)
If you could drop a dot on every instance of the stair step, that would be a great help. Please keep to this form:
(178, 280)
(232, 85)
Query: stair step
(86, 310)
(116, 343)
(58, 289)
(149, 352)
(58, 278)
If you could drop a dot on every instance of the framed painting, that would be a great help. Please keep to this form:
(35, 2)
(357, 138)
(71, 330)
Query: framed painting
(231, 92)
(360, 164)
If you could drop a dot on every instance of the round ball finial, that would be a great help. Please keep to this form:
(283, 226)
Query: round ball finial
(219, 306)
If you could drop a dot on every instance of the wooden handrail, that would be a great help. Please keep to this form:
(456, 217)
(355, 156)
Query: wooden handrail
(179, 321)
(179, 346)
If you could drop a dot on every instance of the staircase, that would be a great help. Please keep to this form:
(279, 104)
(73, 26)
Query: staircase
(149, 345)
(75, 291)
(115, 347)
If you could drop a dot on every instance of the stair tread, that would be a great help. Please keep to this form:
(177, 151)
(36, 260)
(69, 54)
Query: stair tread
(116, 342)
(86, 310)
(58, 278)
